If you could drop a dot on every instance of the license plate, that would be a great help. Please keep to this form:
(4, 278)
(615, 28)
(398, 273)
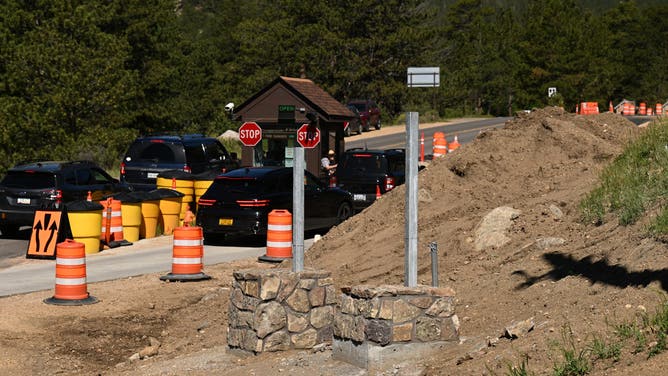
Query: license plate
(225, 221)
(152, 175)
(23, 200)
(359, 197)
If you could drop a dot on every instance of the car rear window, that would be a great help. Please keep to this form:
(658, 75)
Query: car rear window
(153, 151)
(223, 187)
(364, 162)
(29, 180)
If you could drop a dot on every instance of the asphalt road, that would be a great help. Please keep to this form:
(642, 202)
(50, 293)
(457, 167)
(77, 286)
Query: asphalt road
(395, 136)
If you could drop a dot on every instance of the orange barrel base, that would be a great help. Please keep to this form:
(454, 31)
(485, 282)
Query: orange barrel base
(279, 236)
(188, 250)
(71, 288)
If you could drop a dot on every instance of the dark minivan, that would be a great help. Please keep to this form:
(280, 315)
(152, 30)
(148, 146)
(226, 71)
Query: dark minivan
(148, 156)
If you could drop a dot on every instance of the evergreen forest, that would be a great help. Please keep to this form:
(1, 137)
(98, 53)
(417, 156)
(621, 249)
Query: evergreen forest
(80, 79)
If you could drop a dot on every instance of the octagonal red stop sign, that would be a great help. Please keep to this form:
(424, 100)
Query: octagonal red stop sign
(308, 136)
(250, 133)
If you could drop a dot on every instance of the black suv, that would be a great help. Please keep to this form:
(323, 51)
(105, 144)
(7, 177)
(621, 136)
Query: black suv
(41, 185)
(367, 173)
(149, 156)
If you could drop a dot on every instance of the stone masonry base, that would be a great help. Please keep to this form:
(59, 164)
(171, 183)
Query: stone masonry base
(376, 325)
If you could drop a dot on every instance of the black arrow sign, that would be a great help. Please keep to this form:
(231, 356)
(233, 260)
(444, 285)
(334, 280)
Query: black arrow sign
(37, 229)
(54, 229)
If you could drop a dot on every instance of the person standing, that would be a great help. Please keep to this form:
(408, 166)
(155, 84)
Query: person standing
(329, 163)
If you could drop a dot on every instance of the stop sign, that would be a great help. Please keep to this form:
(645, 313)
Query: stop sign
(308, 136)
(250, 133)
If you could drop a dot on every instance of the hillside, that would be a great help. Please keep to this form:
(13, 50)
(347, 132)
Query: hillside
(531, 260)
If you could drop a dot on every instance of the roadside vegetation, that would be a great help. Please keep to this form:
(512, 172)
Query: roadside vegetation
(634, 185)
(82, 78)
(645, 336)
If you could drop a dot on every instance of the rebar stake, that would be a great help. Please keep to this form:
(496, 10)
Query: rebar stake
(433, 247)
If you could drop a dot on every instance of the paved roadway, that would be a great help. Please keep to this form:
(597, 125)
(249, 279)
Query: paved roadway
(142, 257)
(395, 136)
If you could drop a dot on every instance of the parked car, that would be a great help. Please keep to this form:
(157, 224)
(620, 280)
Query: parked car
(355, 124)
(149, 156)
(369, 112)
(367, 173)
(42, 185)
(238, 202)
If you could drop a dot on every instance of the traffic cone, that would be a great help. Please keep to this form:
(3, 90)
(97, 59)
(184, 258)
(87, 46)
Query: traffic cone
(377, 191)
(90, 197)
(188, 218)
(611, 109)
(453, 145)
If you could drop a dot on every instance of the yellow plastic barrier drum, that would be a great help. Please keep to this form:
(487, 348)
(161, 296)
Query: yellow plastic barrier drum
(170, 208)
(179, 181)
(85, 219)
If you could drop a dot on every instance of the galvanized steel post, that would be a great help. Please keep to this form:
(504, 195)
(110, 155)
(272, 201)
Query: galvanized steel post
(298, 210)
(411, 199)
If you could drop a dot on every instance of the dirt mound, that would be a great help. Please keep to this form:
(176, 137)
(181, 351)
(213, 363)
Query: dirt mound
(552, 267)
(504, 212)
(547, 157)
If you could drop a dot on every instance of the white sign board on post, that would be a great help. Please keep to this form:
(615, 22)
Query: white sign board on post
(424, 77)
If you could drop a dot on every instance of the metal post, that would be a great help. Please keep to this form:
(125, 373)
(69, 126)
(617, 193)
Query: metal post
(298, 210)
(411, 199)
(433, 247)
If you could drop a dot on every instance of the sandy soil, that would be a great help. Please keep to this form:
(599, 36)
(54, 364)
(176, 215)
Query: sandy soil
(540, 164)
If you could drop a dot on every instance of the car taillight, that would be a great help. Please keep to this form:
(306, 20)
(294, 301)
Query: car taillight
(56, 195)
(122, 168)
(253, 203)
(389, 183)
(187, 169)
(205, 202)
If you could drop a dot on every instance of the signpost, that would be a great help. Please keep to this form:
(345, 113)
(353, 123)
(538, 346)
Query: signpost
(250, 133)
(308, 136)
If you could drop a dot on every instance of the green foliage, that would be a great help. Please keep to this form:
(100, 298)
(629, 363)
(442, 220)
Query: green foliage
(75, 74)
(602, 350)
(634, 183)
(575, 361)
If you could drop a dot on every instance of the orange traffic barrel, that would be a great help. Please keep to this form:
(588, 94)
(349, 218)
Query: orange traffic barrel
(439, 145)
(629, 109)
(279, 236)
(71, 288)
(187, 253)
(642, 108)
(112, 221)
(658, 109)
(130, 214)
(453, 145)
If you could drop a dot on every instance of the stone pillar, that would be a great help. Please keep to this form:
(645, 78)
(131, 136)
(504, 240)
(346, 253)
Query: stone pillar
(277, 310)
(381, 324)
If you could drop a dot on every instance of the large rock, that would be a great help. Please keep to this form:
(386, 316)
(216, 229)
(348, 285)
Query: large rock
(491, 231)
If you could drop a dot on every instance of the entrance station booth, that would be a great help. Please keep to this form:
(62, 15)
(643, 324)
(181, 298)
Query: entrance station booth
(280, 109)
